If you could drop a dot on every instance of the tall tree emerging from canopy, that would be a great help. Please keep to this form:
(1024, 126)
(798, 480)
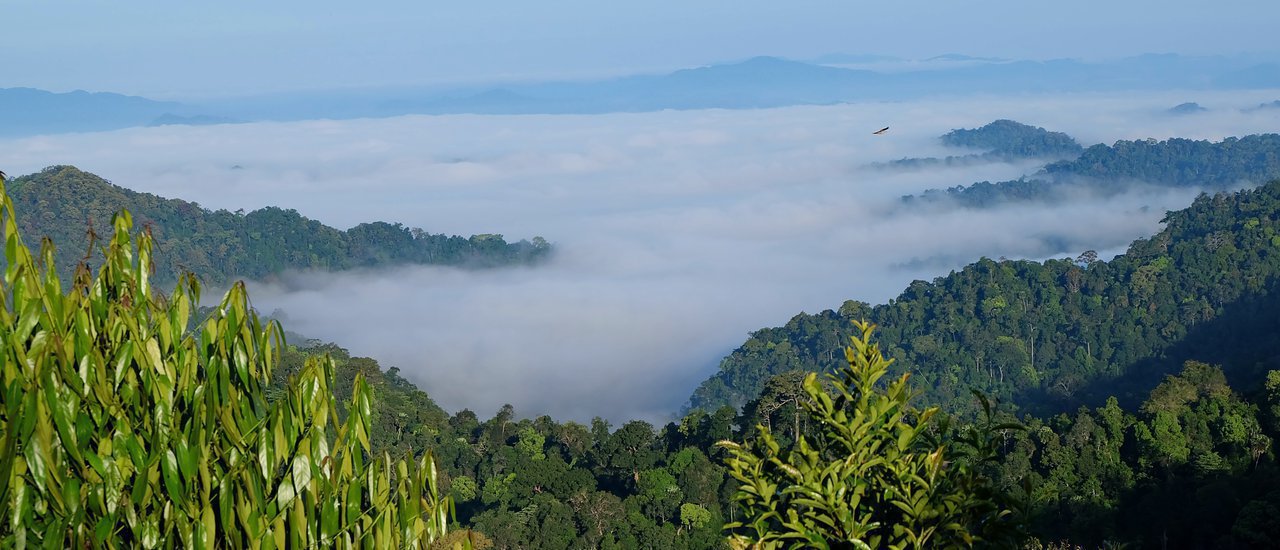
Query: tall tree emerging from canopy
(878, 473)
(122, 428)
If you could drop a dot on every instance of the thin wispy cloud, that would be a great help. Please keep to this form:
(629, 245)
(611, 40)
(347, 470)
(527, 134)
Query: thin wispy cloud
(677, 232)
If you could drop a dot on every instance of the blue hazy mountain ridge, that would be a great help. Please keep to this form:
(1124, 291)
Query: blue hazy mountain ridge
(763, 82)
(1255, 76)
(759, 82)
(170, 119)
(28, 111)
(1269, 106)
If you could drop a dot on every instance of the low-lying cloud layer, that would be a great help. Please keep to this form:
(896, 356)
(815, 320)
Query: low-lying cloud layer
(677, 232)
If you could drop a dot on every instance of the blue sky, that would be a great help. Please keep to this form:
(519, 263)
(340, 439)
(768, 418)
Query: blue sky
(181, 49)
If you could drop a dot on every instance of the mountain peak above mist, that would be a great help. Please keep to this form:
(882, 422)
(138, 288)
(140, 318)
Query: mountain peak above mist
(1014, 138)
(1187, 108)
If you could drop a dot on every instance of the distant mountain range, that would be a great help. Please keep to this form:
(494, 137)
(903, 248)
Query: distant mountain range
(27, 111)
(760, 82)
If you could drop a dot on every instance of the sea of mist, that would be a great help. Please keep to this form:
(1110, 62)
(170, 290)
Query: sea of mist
(676, 233)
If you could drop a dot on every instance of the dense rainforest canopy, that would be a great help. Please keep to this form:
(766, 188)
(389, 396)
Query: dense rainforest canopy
(1000, 141)
(1148, 386)
(1047, 337)
(71, 206)
(1013, 139)
(1092, 468)
(1107, 170)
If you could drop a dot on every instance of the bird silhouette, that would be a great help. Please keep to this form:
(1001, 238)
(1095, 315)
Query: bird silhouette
(881, 131)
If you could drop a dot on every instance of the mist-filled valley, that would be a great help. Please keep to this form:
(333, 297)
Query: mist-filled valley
(694, 276)
(676, 233)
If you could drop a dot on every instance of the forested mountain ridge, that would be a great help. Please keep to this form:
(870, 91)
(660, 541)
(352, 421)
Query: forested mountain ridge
(1111, 169)
(1013, 138)
(1194, 465)
(1049, 337)
(1002, 140)
(1179, 162)
(538, 483)
(61, 202)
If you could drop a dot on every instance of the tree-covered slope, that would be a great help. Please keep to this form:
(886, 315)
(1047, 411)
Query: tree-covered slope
(1179, 162)
(1111, 169)
(1050, 336)
(1013, 139)
(1193, 467)
(64, 203)
(1000, 141)
(1107, 475)
(1193, 464)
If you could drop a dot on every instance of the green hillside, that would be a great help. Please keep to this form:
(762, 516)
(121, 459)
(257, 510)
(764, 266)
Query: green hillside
(1111, 169)
(1048, 337)
(1014, 139)
(1185, 456)
(69, 205)
(1000, 141)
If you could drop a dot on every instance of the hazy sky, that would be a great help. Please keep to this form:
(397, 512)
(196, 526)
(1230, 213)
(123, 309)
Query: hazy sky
(677, 232)
(167, 49)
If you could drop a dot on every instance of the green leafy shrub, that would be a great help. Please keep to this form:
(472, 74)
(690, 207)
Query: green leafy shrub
(878, 474)
(123, 427)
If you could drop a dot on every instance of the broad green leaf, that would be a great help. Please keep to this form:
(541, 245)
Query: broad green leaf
(172, 480)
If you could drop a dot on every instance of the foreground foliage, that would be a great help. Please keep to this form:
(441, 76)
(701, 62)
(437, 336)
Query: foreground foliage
(122, 428)
(1189, 463)
(877, 473)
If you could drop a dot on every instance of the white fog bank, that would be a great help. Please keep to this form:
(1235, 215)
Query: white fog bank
(676, 233)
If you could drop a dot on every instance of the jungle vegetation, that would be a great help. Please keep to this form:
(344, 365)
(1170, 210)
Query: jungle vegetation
(74, 209)
(1136, 402)
(1108, 170)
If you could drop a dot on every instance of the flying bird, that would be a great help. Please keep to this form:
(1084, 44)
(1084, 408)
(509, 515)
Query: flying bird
(881, 131)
